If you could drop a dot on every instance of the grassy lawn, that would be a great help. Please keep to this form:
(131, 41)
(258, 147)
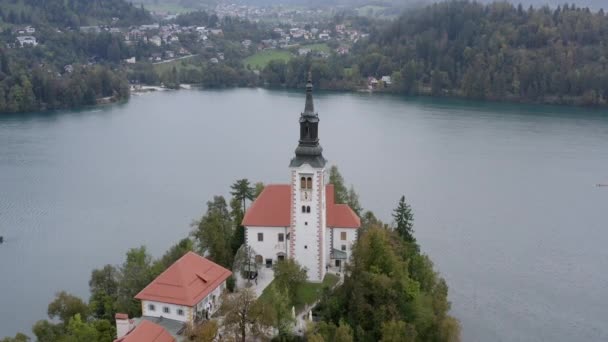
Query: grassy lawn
(317, 47)
(186, 63)
(308, 293)
(261, 59)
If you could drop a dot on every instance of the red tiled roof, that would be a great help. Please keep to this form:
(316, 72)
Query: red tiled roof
(272, 209)
(147, 331)
(119, 315)
(339, 215)
(186, 282)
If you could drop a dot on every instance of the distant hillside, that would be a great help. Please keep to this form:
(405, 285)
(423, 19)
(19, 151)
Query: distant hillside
(71, 13)
(497, 52)
(592, 4)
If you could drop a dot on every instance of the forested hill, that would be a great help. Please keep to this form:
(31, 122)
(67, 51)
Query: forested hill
(496, 51)
(71, 13)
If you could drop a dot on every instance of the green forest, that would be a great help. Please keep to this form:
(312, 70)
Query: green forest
(71, 13)
(485, 52)
(59, 72)
(464, 49)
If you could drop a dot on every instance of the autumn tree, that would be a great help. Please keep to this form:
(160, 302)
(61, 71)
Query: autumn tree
(207, 331)
(243, 317)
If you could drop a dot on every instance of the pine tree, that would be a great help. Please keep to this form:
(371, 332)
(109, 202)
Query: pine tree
(242, 191)
(404, 220)
(340, 190)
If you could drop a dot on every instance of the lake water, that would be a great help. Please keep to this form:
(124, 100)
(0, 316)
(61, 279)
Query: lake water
(504, 196)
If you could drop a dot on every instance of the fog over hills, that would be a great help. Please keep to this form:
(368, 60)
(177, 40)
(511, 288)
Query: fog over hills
(194, 4)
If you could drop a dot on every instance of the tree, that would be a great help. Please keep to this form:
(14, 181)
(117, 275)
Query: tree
(104, 292)
(404, 220)
(289, 277)
(65, 306)
(174, 253)
(258, 188)
(205, 332)
(340, 191)
(242, 191)
(45, 331)
(280, 310)
(80, 331)
(353, 201)
(243, 316)
(213, 232)
(398, 331)
(244, 261)
(344, 333)
(135, 274)
(105, 330)
(237, 214)
(18, 338)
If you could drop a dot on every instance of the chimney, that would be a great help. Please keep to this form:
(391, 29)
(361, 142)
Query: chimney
(123, 325)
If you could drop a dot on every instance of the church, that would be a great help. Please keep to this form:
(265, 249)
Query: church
(300, 219)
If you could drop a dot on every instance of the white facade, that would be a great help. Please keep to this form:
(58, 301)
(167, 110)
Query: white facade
(308, 210)
(158, 309)
(270, 247)
(184, 313)
(341, 239)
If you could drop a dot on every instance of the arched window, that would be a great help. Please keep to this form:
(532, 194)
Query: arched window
(304, 209)
(308, 209)
(303, 183)
(309, 183)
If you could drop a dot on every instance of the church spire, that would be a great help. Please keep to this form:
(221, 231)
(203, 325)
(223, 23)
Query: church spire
(309, 107)
(309, 150)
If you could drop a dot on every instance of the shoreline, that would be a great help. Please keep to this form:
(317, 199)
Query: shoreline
(139, 90)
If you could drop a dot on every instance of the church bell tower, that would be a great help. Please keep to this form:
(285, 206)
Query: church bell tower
(308, 207)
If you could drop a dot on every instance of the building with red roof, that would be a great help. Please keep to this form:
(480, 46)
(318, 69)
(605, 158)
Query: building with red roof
(188, 290)
(301, 220)
(129, 331)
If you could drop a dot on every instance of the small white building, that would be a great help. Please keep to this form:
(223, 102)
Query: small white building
(386, 80)
(27, 41)
(300, 220)
(156, 40)
(189, 290)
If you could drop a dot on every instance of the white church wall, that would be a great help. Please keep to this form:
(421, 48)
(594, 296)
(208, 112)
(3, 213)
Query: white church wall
(346, 245)
(270, 247)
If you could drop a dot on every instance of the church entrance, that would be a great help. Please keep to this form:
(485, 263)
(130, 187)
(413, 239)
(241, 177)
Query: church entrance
(281, 256)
